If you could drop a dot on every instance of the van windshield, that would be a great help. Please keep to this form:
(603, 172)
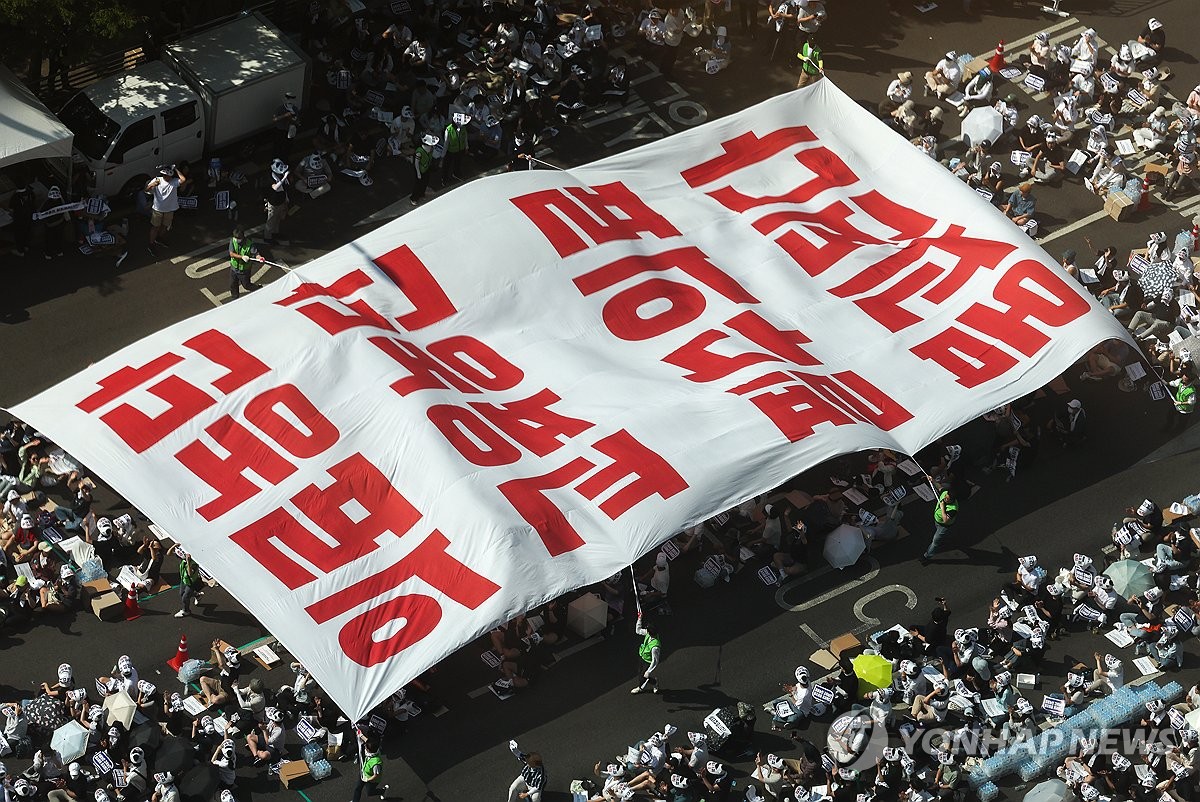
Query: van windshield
(93, 131)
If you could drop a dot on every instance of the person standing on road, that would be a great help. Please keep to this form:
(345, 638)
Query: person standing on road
(242, 252)
(276, 198)
(422, 165)
(1183, 401)
(456, 147)
(529, 783)
(651, 652)
(372, 772)
(165, 191)
(189, 583)
(782, 24)
(812, 64)
(287, 126)
(944, 514)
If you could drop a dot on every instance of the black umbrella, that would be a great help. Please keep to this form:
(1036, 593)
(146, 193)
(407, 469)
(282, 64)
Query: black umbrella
(175, 755)
(200, 784)
(46, 714)
(148, 736)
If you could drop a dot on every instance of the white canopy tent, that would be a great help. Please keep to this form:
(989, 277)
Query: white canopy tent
(28, 130)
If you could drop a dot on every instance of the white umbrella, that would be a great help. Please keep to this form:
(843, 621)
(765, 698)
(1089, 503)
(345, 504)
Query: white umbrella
(982, 123)
(70, 741)
(1048, 791)
(120, 707)
(844, 546)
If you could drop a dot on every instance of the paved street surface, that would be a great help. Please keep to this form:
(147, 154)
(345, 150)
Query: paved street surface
(735, 641)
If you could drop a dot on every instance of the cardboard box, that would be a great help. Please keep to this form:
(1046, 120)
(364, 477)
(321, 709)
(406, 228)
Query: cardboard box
(843, 643)
(1154, 168)
(1118, 205)
(97, 587)
(587, 615)
(108, 607)
(293, 773)
(824, 658)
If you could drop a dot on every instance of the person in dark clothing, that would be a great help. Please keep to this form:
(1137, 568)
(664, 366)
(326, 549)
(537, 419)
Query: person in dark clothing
(937, 630)
(22, 206)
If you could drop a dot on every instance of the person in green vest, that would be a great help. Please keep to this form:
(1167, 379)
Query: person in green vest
(372, 771)
(812, 64)
(456, 147)
(651, 653)
(189, 584)
(242, 252)
(423, 165)
(1183, 401)
(945, 511)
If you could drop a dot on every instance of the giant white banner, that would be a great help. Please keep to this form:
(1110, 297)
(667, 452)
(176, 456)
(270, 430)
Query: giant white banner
(521, 387)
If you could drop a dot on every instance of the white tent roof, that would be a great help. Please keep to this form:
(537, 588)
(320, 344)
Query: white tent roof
(28, 130)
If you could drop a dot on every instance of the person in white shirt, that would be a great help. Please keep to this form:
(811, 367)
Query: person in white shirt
(165, 190)
(898, 91)
(945, 78)
(1109, 674)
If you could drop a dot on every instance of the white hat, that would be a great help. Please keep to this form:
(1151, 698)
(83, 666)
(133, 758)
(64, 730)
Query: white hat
(137, 756)
(679, 781)
(866, 518)
(1082, 561)
(714, 768)
(125, 665)
(1111, 661)
(1090, 793)
(801, 674)
(24, 788)
(227, 796)
(774, 761)
(612, 770)
(430, 139)
(66, 675)
(1119, 761)
(697, 738)
(274, 714)
(1003, 678)
(623, 792)
(461, 119)
(279, 167)
(1154, 24)
(54, 194)
(146, 687)
(1074, 403)
(1126, 54)
(660, 560)
(164, 778)
(13, 495)
(1153, 594)
(27, 521)
(1029, 562)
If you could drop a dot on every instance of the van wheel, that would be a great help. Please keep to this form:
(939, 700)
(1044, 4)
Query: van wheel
(134, 185)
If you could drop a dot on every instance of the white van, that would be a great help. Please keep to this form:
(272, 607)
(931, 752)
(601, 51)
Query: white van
(130, 123)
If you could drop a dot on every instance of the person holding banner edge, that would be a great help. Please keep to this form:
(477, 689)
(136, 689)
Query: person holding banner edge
(651, 652)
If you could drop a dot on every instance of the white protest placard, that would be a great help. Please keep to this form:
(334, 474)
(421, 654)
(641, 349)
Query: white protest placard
(1034, 83)
(1054, 705)
(1135, 371)
(911, 468)
(439, 434)
(854, 495)
(1020, 158)
(924, 492)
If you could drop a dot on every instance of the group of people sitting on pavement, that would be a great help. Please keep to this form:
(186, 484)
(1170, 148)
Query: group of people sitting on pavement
(1094, 99)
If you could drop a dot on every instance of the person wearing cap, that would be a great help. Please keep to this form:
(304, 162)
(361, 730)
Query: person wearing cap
(906, 119)
(898, 91)
(1154, 38)
(1021, 204)
(945, 77)
(1069, 423)
(1050, 162)
(455, 136)
(164, 788)
(977, 92)
(422, 166)
(769, 770)
(242, 252)
(1183, 177)
(164, 191)
(73, 786)
(1031, 138)
(529, 783)
(224, 759)
(717, 783)
(1041, 52)
(654, 584)
(1109, 674)
(782, 25)
(286, 121)
(277, 200)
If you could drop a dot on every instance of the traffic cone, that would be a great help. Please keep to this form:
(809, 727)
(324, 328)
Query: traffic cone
(181, 654)
(996, 62)
(1144, 203)
(1195, 236)
(132, 610)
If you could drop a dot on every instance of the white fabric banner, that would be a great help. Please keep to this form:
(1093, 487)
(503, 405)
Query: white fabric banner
(521, 387)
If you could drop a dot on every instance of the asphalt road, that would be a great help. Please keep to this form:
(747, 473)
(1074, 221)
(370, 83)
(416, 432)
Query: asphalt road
(735, 641)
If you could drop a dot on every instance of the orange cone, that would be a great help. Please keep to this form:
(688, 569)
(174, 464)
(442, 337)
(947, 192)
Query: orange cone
(996, 62)
(181, 654)
(132, 610)
(1144, 203)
